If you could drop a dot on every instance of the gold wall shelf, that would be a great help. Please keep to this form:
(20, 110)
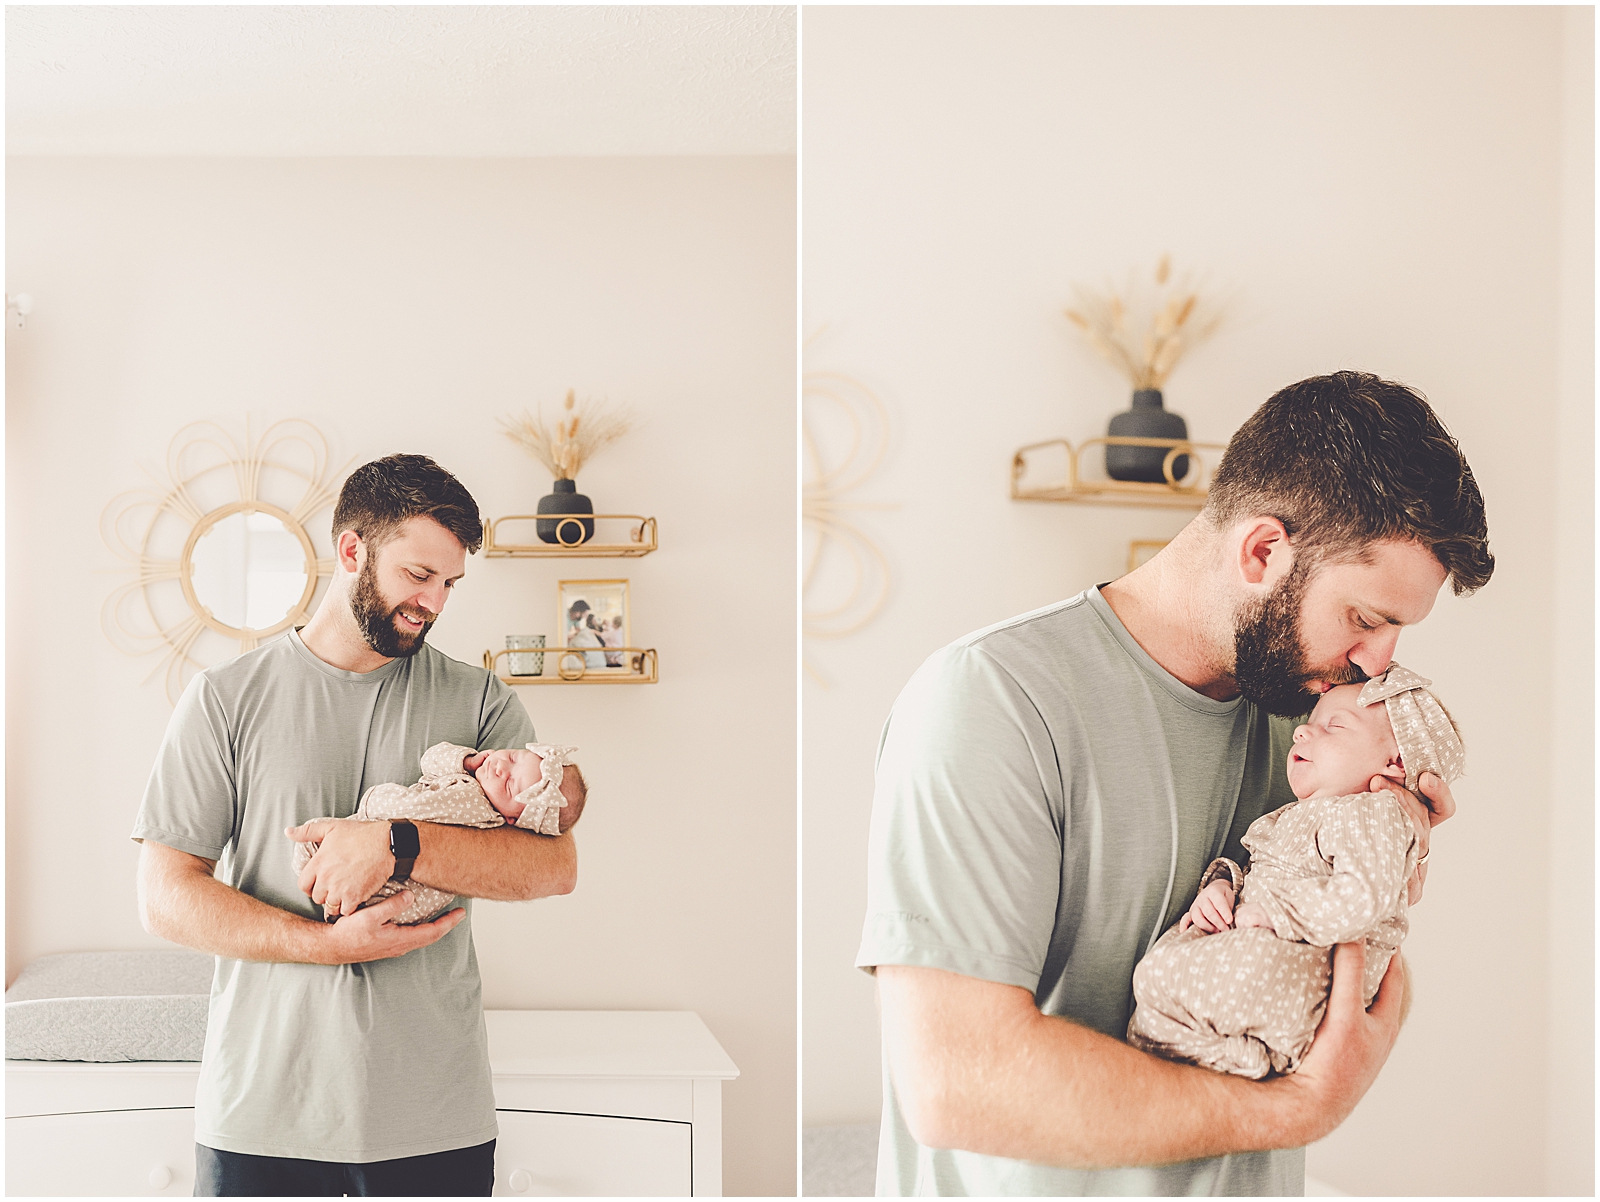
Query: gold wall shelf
(641, 539)
(1188, 493)
(639, 666)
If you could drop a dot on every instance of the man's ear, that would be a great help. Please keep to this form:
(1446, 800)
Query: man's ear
(1265, 554)
(348, 551)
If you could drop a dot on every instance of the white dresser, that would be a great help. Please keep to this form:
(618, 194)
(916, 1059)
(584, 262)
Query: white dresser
(590, 1102)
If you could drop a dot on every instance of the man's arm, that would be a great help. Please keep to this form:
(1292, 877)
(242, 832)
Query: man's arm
(182, 901)
(977, 1067)
(502, 863)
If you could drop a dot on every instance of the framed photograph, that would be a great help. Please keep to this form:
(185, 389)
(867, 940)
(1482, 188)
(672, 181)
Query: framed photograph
(593, 615)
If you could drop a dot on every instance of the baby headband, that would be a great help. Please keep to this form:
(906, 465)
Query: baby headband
(1427, 738)
(543, 800)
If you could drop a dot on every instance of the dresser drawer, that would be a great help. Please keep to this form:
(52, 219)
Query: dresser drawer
(122, 1153)
(543, 1155)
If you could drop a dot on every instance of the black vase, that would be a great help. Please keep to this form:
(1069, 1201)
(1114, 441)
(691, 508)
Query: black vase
(568, 532)
(1147, 419)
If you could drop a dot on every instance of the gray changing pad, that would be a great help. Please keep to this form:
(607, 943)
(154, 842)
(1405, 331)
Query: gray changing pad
(110, 1006)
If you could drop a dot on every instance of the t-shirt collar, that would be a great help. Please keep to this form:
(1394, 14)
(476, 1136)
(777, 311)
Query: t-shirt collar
(376, 676)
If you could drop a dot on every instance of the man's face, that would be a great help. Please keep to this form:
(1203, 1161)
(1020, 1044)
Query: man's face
(1337, 624)
(403, 585)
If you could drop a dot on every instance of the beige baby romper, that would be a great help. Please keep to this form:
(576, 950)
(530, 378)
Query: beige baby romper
(1247, 1001)
(448, 793)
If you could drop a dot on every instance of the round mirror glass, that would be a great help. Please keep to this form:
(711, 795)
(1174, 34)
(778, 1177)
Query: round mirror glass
(249, 570)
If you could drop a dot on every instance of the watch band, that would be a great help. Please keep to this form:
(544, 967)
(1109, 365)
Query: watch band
(405, 846)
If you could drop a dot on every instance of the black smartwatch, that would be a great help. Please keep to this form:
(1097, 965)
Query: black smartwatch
(404, 846)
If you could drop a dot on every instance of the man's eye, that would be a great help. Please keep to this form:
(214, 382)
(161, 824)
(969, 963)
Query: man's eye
(418, 579)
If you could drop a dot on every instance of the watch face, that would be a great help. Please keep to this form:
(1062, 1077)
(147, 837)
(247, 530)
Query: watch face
(403, 841)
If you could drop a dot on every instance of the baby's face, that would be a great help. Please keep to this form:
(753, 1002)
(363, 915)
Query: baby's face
(1342, 746)
(503, 775)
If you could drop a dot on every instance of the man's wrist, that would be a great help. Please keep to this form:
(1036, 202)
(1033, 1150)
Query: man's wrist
(404, 846)
(315, 943)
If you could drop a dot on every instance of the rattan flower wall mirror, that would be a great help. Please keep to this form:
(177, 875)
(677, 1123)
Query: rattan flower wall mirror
(220, 549)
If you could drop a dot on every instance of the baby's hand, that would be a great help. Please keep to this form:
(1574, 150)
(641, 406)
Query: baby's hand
(1251, 915)
(1213, 908)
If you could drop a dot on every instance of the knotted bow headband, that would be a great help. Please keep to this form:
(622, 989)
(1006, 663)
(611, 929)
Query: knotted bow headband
(1427, 738)
(543, 800)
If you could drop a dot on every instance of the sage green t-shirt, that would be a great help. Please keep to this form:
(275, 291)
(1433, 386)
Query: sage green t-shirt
(1047, 798)
(358, 1062)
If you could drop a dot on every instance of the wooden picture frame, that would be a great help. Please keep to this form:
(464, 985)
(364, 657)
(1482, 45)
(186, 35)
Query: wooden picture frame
(593, 615)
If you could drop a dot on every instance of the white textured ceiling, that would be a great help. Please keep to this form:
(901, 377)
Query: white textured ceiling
(399, 80)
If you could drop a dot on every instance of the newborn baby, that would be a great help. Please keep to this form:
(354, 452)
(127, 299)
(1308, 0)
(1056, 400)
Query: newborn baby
(523, 787)
(1241, 990)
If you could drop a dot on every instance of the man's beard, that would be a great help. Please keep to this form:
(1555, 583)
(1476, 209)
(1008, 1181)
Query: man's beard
(375, 616)
(1269, 662)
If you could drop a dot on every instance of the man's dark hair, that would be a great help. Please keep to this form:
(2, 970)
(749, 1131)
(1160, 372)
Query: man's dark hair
(381, 496)
(1347, 460)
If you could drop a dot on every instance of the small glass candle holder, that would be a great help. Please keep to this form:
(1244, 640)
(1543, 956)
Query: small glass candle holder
(525, 664)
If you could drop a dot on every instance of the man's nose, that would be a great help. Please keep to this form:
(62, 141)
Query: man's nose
(1375, 653)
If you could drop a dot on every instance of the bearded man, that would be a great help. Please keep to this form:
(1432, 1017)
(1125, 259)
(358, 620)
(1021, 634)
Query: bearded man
(343, 1054)
(1049, 790)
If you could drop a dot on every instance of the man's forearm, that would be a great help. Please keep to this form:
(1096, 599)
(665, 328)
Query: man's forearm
(181, 902)
(502, 863)
(976, 1066)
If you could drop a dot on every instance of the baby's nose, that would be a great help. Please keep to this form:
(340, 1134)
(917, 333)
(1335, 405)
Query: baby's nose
(1301, 732)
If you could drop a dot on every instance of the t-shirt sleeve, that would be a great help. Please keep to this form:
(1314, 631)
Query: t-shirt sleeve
(964, 857)
(191, 800)
(504, 723)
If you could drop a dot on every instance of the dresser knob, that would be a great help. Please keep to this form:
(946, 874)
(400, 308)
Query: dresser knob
(160, 1177)
(521, 1181)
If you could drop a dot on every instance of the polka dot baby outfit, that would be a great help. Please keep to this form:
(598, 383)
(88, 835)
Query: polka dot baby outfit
(1247, 1001)
(449, 794)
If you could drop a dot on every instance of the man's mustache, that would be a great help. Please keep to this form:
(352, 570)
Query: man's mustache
(1350, 674)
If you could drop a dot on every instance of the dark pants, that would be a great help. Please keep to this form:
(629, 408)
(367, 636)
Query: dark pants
(460, 1172)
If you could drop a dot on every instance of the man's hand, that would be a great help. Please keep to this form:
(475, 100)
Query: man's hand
(369, 934)
(353, 861)
(1439, 806)
(180, 899)
(1212, 910)
(1351, 1044)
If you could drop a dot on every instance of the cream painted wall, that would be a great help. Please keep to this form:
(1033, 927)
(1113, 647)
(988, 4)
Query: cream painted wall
(403, 304)
(1569, 1124)
(1381, 188)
